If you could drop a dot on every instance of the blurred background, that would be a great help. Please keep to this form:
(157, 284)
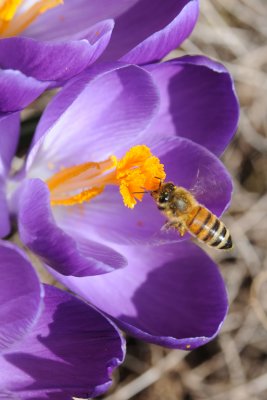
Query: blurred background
(234, 366)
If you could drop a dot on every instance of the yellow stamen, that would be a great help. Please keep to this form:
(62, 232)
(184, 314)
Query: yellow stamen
(79, 198)
(8, 9)
(136, 172)
(68, 174)
(13, 21)
(135, 157)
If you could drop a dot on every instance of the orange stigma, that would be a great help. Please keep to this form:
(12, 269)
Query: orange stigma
(14, 19)
(136, 172)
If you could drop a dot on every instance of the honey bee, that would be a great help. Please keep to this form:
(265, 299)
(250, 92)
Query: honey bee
(184, 213)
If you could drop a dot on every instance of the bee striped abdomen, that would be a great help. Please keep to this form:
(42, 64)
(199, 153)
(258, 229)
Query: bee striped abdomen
(208, 228)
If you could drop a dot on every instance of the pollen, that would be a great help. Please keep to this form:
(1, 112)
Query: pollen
(138, 171)
(135, 173)
(14, 19)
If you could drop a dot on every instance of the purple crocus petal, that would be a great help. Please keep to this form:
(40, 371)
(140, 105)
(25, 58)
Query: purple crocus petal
(105, 219)
(167, 36)
(9, 135)
(187, 164)
(70, 19)
(69, 256)
(112, 99)
(175, 295)
(54, 61)
(198, 101)
(142, 32)
(64, 99)
(25, 87)
(20, 295)
(71, 351)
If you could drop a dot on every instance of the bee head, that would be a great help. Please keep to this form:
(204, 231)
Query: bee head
(164, 193)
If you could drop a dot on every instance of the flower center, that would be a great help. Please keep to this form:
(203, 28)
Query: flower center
(14, 18)
(136, 172)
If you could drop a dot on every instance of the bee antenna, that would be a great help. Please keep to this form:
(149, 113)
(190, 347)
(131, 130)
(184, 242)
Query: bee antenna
(140, 192)
(160, 183)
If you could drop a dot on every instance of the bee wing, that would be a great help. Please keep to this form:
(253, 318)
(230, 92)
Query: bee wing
(198, 188)
(206, 186)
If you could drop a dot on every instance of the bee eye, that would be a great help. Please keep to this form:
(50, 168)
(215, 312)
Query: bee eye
(164, 197)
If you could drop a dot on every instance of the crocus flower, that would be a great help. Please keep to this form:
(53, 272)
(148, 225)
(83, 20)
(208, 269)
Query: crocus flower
(52, 345)
(45, 43)
(169, 292)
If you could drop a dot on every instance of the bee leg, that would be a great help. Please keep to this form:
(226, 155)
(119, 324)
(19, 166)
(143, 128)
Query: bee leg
(177, 225)
(168, 225)
(181, 228)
